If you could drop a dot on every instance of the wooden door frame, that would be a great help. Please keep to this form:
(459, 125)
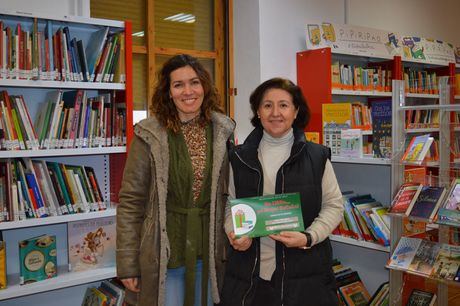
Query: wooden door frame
(222, 56)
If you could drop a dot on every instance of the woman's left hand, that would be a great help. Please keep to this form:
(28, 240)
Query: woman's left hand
(291, 239)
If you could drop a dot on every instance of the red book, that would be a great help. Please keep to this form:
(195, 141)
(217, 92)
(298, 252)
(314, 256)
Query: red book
(407, 193)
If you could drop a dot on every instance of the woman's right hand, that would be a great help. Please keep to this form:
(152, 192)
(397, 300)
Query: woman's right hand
(239, 244)
(131, 283)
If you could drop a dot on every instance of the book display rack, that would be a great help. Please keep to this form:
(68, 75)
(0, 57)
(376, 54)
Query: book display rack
(431, 269)
(405, 99)
(66, 111)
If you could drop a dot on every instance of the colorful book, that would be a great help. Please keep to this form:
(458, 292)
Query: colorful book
(404, 253)
(336, 117)
(447, 262)
(91, 243)
(351, 143)
(425, 257)
(417, 149)
(3, 281)
(406, 195)
(427, 203)
(37, 259)
(421, 298)
(355, 294)
(449, 213)
(381, 128)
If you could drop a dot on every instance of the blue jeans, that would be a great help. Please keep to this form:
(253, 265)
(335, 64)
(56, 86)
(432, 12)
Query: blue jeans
(175, 286)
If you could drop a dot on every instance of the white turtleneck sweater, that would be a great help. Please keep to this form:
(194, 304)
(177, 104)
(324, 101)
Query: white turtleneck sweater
(273, 152)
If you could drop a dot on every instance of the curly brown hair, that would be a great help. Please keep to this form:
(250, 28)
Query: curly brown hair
(163, 106)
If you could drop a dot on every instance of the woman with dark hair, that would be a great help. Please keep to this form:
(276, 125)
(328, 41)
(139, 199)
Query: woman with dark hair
(289, 268)
(170, 240)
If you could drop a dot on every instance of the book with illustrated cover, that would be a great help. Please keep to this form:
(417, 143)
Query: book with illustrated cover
(449, 213)
(447, 262)
(91, 243)
(421, 298)
(335, 117)
(355, 294)
(37, 259)
(425, 258)
(351, 143)
(381, 128)
(417, 149)
(265, 215)
(415, 175)
(427, 203)
(404, 253)
(406, 195)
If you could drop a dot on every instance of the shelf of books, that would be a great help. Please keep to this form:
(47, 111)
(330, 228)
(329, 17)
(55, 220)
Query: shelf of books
(65, 126)
(65, 279)
(424, 259)
(363, 244)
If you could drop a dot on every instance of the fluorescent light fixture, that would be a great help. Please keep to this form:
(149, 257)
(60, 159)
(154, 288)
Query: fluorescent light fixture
(182, 17)
(139, 34)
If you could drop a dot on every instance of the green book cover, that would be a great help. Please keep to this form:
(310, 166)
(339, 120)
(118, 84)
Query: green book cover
(265, 215)
(37, 258)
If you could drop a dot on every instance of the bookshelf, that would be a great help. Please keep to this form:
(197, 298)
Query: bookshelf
(401, 282)
(314, 76)
(105, 157)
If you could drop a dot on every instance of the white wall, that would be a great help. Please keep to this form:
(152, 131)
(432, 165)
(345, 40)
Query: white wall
(425, 18)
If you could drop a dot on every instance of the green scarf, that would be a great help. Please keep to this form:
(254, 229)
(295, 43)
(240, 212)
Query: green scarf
(187, 221)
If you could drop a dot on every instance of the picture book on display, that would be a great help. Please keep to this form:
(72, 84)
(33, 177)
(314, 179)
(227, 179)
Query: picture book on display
(417, 149)
(449, 213)
(336, 117)
(425, 257)
(421, 298)
(351, 143)
(404, 253)
(381, 128)
(37, 259)
(406, 195)
(355, 294)
(427, 203)
(447, 262)
(91, 243)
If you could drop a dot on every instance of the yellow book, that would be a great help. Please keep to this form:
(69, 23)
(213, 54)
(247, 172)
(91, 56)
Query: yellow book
(2, 265)
(312, 136)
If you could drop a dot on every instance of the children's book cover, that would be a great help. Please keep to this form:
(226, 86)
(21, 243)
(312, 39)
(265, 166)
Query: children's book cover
(355, 294)
(449, 213)
(335, 117)
(91, 243)
(427, 203)
(417, 149)
(351, 143)
(37, 259)
(407, 193)
(421, 298)
(404, 253)
(425, 258)
(447, 263)
(381, 128)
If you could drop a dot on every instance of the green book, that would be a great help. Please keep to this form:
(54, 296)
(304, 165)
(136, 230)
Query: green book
(266, 215)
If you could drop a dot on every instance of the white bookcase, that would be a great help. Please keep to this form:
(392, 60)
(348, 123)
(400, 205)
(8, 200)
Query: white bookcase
(68, 287)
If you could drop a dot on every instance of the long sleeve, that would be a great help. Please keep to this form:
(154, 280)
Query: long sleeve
(134, 194)
(332, 208)
(228, 225)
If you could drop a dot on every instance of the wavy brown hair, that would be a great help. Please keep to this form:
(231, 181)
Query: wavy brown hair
(163, 106)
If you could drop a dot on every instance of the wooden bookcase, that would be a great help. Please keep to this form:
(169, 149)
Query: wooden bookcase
(108, 162)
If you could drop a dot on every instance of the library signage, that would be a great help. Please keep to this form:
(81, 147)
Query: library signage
(426, 49)
(350, 39)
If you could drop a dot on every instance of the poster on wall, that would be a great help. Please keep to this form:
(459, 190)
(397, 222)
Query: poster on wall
(426, 49)
(350, 39)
